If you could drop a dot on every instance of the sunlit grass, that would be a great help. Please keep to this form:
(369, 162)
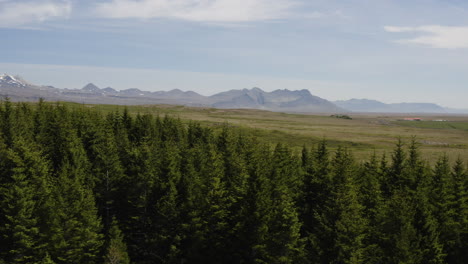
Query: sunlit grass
(364, 134)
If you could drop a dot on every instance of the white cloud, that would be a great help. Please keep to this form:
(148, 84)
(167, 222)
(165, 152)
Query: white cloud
(197, 10)
(442, 37)
(15, 13)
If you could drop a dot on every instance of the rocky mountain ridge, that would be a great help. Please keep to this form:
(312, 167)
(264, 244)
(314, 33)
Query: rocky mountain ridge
(297, 101)
(255, 98)
(373, 106)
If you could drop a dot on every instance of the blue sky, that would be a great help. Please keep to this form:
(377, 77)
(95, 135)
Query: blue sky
(392, 51)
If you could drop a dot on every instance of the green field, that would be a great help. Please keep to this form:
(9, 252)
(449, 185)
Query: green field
(461, 125)
(364, 134)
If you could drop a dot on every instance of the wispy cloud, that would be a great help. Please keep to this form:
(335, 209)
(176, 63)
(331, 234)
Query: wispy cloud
(15, 13)
(435, 36)
(197, 10)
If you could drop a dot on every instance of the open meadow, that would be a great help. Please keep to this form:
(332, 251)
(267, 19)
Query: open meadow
(364, 134)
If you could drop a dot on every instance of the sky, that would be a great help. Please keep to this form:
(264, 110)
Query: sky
(387, 50)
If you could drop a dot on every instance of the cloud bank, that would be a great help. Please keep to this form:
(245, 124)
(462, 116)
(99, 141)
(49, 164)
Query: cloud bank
(197, 10)
(436, 36)
(19, 13)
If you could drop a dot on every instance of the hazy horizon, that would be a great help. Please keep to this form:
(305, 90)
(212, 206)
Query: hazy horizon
(390, 51)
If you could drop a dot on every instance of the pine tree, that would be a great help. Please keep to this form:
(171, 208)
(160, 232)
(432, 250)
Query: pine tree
(215, 211)
(399, 238)
(256, 207)
(418, 186)
(345, 216)
(75, 227)
(306, 203)
(23, 199)
(120, 138)
(136, 200)
(351, 227)
(415, 166)
(6, 121)
(108, 174)
(455, 232)
(395, 178)
(317, 193)
(283, 241)
(143, 129)
(47, 260)
(116, 248)
(191, 196)
(20, 228)
(164, 221)
(235, 179)
(61, 144)
(431, 212)
(368, 181)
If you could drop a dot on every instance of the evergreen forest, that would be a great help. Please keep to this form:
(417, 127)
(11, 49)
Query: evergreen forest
(81, 186)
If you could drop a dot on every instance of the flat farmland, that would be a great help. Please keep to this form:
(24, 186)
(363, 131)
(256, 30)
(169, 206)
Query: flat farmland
(364, 134)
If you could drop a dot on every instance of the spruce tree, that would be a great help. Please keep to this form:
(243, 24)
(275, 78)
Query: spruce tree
(116, 252)
(74, 224)
(456, 228)
(164, 220)
(6, 121)
(395, 177)
(399, 239)
(136, 200)
(368, 181)
(235, 179)
(256, 207)
(47, 260)
(108, 174)
(215, 212)
(351, 227)
(317, 193)
(191, 196)
(24, 197)
(346, 214)
(283, 238)
(20, 230)
(416, 174)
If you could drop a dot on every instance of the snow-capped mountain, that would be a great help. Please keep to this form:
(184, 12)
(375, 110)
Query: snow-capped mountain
(10, 80)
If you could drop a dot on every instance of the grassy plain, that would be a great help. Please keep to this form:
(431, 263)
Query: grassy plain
(364, 134)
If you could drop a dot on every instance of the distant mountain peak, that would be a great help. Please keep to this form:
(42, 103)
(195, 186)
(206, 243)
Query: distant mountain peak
(175, 92)
(278, 100)
(6, 79)
(305, 92)
(368, 105)
(109, 90)
(90, 87)
(132, 92)
(283, 100)
(256, 89)
(282, 91)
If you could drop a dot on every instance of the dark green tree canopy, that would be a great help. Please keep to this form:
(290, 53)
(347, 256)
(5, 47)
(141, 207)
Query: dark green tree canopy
(80, 186)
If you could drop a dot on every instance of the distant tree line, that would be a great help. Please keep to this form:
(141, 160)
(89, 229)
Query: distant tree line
(342, 116)
(78, 186)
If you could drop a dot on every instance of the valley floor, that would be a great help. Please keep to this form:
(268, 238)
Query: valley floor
(363, 134)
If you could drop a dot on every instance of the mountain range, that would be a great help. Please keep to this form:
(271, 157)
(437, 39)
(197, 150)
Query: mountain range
(298, 101)
(366, 106)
